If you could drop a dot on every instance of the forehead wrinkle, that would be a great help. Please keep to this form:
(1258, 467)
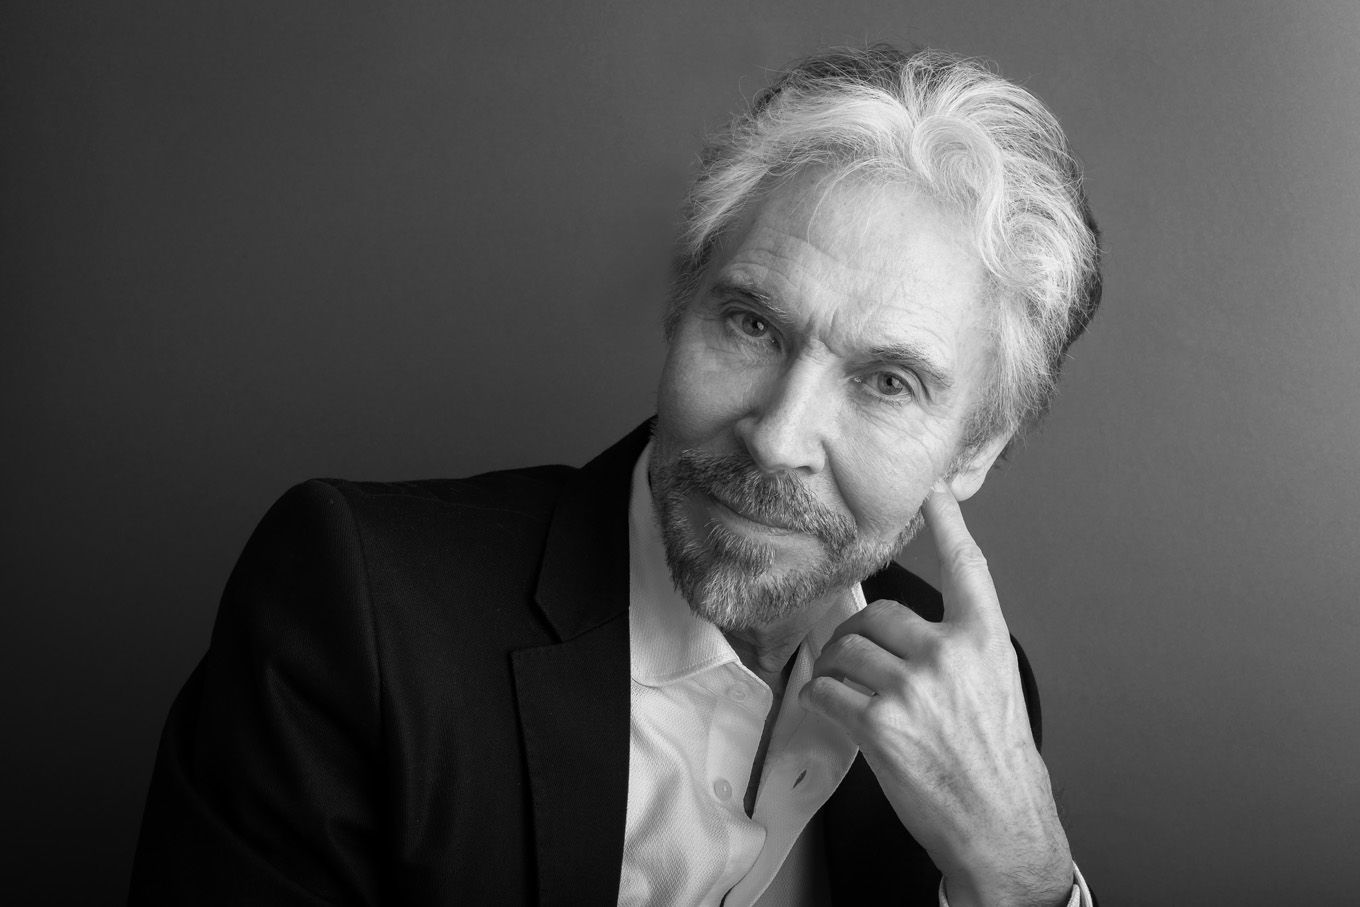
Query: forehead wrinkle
(868, 254)
(757, 269)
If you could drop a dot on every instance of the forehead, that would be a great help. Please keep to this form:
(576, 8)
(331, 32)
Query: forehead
(844, 239)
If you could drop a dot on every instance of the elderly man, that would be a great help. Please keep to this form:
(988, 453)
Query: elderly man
(688, 673)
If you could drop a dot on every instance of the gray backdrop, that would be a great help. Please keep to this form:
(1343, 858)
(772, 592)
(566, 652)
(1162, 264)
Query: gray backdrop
(248, 243)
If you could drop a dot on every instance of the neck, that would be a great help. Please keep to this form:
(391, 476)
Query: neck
(768, 650)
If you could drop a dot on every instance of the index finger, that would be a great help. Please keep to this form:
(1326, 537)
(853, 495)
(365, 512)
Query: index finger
(969, 594)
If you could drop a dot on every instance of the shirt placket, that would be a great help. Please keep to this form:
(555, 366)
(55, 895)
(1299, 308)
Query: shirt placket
(807, 759)
(740, 703)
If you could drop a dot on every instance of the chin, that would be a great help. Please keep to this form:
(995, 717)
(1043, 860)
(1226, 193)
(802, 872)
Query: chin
(737, 584)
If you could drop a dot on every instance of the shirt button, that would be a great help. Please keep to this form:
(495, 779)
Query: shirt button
(722, 790)
(738, 693)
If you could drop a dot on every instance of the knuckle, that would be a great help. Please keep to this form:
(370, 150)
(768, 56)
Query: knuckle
(819, 694)
(966, 555)
(1002, 649)
(998, 638)
(885, 714)
(899, 685)
(834, 649)
(965, 642)
(854, 646)
(881, 607)
(979, 646)
(816, 688)
(929, 647)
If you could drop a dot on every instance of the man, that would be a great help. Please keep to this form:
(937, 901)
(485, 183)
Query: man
(688, 673)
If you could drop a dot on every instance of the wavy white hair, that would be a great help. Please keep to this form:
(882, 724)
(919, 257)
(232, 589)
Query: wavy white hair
(954, 130)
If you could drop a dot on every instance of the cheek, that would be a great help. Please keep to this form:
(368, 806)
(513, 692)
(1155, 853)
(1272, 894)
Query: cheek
(698, 398)
(885, 482)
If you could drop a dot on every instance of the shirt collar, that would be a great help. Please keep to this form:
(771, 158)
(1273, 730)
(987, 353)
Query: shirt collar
(667, 641)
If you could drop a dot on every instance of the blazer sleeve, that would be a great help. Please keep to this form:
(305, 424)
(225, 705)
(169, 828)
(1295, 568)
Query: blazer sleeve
(266, 783)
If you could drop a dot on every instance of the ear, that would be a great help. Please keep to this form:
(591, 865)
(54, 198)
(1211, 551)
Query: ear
(970, 469)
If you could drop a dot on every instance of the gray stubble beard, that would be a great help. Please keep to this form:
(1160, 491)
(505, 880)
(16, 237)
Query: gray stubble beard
(727, 578)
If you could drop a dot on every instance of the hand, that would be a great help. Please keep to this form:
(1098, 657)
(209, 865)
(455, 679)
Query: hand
(944, 728)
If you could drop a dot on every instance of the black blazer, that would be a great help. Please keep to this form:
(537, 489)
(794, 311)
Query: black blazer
(418, 693)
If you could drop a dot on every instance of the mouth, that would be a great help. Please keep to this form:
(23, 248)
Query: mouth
(729, 513)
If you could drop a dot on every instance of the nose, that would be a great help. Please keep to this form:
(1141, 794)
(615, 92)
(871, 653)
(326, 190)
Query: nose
(785, 429)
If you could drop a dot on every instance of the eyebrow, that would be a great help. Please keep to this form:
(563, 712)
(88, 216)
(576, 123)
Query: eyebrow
(750, 293)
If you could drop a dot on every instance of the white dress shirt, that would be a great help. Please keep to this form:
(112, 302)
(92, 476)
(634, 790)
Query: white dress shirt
(697, 714)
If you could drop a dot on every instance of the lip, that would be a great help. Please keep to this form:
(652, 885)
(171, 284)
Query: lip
(731, 514)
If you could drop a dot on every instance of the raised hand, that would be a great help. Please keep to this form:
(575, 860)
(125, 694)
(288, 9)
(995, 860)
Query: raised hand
(938, 711)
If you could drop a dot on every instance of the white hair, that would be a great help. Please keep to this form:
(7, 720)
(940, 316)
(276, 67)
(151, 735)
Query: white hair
(970, 140)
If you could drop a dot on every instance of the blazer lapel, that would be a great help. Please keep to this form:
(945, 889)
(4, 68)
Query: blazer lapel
(574, 695)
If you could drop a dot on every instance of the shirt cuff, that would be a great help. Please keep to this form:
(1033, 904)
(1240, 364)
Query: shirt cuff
(1081, 895)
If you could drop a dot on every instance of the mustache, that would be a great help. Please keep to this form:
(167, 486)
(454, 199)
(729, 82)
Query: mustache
(778, 499)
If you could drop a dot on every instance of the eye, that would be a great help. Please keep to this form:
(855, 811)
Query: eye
(752, 325)
(890, 387)
(751, 331)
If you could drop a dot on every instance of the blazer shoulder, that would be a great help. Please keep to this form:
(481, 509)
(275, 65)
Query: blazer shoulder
(519, 498)
(530, 489)
(425, 550)
(485, 532)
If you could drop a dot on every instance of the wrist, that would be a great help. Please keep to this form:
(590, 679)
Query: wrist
(1043, 884)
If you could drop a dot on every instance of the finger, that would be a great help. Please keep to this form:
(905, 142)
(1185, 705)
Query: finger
(891, 624)
(861, 661)
(836, 701)
(969, 594)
